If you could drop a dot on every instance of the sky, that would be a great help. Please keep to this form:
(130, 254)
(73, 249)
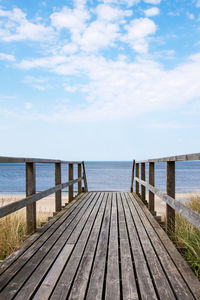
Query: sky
(99, 80)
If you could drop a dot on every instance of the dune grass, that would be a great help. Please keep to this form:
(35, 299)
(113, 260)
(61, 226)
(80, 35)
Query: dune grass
(13, 230)
(188, 236)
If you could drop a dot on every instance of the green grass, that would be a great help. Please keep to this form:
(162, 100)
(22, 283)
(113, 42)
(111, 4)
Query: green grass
(188, 236)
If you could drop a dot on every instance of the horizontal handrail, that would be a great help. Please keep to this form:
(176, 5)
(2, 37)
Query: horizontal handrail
(5, 159)
(15, 206)
(183, 210)
(184, 157)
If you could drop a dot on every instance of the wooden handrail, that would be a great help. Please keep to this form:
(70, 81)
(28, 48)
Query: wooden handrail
(31, 196)
(172, 205)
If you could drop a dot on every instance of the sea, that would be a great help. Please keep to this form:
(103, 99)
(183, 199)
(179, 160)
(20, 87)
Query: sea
(101, 175)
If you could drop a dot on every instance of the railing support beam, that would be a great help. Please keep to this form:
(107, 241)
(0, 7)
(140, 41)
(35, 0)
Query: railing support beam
(137, 175)
(143, 189)
(152, 182)
(70, 177)
(80, 182)
(58, 194)
(170, 189)
(30, 190)
(85, 179)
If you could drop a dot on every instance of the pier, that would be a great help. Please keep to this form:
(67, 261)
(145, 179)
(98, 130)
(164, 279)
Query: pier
(102, 244)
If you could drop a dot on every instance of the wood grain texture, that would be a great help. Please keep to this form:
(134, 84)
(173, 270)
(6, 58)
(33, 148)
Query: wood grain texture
(58, 194)
(30, 190)
(184, 157)
(151, 203)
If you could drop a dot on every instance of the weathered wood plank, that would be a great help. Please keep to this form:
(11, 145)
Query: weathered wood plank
(37, 235)
(84, 178)
(137, 175)
(50, 280)
(12, 207)
(184, 269)
(151, 204)
(184, 157)
(172, 274)
(96, 283)
(70, 177)
(129, 288)
(58, 194)
(30, 190)
(164, 290)
(170, 188)
(187, 213)
(112, 277)
(143, 190)
(63, 286)
(5, 159)
(26, 256)
(49, 260)
(132, 176)
(144, 279)
(80, 182)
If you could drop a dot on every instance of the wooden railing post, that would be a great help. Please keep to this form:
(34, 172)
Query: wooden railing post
(143, 189)
(170, 189)
(80, 182)
(132, 177)
(137, 175)
(71, 177)
(84, 178)
(58, 194)
(30, 190)
(152, 182)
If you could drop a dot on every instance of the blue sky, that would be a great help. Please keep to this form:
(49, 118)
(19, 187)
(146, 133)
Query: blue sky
(99, 80)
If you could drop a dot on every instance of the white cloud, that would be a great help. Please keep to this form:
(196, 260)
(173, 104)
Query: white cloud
(198, 3)
(109, 13)
(154, 11)
(47, 62)
(155, 2)
(137, 33)
(129, 3)
(7, 57)
(190, 16)
(28, 105)
(16, 27)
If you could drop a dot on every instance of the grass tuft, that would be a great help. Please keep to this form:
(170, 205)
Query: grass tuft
(188, 236)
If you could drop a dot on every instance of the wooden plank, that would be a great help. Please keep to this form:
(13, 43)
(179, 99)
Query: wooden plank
(6, 159)
(84, 177)
(187, 213)
(184, 157)
(137, 175)
(158, 275)
(37, 235)
(30, 190)
(96, 283)
(63, 286)
(80, 182)
(50, 280)
(129, 288)
(60, 236)
(36, 277)
(22, 260)
(113, 277)
(145, 283)
(12, 207)
(184, 269)
(176, 281)
(170, 189)
(58, 194)
(132, 176)
(143, 190)
(151, 204)
(70, 177)
(79, 286)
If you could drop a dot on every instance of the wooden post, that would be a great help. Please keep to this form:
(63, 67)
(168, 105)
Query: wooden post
(137, 183)
(152, 182)
(71, 177)
(30, 190)
(132, 177)
(58, 194)
(170, 189)
(80, 182)
(85, 179)
(143, 189)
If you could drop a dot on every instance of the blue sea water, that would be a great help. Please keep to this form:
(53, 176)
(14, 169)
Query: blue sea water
(100, 176)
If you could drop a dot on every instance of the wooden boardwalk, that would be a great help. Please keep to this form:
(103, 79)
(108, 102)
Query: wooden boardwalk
(105, 245)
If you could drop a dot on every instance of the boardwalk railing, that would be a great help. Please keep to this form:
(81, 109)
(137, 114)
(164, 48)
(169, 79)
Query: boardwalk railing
(172, 205)
(32, 196)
